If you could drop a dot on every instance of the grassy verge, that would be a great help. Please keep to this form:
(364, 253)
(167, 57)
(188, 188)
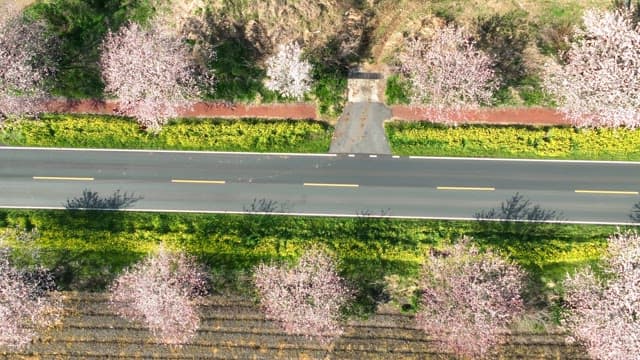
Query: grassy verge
(186, 134)
(513, 141)
(88, 249)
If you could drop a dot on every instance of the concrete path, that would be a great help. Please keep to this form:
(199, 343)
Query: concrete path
(360, 129)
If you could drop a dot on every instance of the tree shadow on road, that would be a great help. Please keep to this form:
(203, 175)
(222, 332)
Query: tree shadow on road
(91, 200)
(519, 218)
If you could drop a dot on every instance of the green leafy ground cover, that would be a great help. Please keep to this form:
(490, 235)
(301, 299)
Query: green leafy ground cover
(513, 141)
(92, 131)
(87, 249)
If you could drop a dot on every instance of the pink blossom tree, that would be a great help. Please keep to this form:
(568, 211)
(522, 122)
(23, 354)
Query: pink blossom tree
(152, 73)
(25, 307)
(605, 315)
(448, 73)
(288, 73)
(26, 61)
(599, 85)
(162, 292)
(305, 299)
(468, 298)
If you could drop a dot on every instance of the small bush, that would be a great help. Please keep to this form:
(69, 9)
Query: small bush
(397, 91)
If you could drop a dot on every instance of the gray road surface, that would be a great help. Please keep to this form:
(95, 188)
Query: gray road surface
(600, 192)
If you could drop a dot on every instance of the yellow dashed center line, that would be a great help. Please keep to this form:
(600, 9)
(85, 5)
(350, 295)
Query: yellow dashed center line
(606, 192)
(186, 181)
(465, 188)
(63, 178)
(332, 185)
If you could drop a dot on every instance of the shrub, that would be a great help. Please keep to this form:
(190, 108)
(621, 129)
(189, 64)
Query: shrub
(397, 91)
(504, 37)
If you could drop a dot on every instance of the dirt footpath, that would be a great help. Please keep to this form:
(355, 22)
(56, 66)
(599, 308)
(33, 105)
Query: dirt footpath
(506, 116)
(298, 111)
(510, 116)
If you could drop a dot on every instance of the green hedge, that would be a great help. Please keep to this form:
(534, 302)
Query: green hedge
(513, 141)
(217, 134)
(88, 249)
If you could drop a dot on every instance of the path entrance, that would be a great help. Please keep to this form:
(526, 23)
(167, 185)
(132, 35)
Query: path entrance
(360, 129)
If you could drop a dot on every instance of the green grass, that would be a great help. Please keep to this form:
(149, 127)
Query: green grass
(91, 131)
(397, 91)
(88, 249)
(513, 141)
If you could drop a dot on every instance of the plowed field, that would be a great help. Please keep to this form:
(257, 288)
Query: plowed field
(233, 328)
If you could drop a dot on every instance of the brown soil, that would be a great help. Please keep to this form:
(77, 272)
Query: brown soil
(506, 116)
(202, 109)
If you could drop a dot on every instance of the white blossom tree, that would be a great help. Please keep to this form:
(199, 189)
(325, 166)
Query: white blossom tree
(469, 298)
(288, 74)
(605, 315)
(600, 83)
(152, 73)
(305, 299)
(448, 73)
(162, 292)
(26, 62)
(26, 307)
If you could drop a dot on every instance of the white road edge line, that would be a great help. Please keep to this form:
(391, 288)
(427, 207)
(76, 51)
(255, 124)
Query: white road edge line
(332, 215)
(526, 160)
(606, 192)
(373, 156)
(311, 155)
(396, 156)
(164, 151)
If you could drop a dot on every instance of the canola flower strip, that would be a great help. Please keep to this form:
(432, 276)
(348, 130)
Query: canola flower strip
(100, 131)
(549, 142)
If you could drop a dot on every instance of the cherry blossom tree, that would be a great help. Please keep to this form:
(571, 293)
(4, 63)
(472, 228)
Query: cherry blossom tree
(448, 73)
(599, 85)
(26, 62)
(305, 299)
(152, 73)
(162, 292)
(604, 315)
(468, 298)
(26, 305)
(288, 73)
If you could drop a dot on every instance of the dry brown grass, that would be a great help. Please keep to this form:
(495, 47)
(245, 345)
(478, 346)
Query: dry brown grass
(398, 17)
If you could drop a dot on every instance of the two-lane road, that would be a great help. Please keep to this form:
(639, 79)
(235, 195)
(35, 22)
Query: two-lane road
(329, 184)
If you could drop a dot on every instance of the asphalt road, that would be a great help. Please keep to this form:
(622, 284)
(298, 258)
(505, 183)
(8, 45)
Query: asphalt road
(326, 184)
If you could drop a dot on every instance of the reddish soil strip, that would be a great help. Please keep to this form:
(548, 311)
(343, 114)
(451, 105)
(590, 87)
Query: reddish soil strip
(507, 116)
(202, 109)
